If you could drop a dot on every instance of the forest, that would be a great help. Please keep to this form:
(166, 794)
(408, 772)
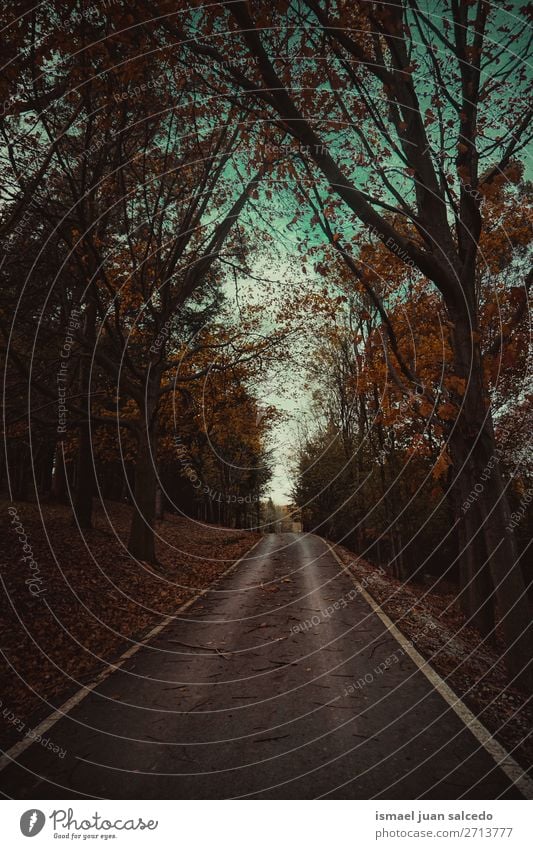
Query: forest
(206, 207)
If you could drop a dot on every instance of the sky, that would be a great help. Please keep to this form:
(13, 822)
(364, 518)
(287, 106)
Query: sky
(285, 387)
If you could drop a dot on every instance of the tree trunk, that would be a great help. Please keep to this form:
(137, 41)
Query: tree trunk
(159, 503)
(47, 465)
(85, 481)
(59, 480)
(141, 544)
(480, 595)
(476, 590)
(83, 500)
(475, 458)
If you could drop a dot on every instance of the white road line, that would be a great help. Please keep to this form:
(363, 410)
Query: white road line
(500, 755)
(40, 730)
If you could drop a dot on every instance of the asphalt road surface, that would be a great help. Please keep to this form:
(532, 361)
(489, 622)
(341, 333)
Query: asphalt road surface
(255, 692)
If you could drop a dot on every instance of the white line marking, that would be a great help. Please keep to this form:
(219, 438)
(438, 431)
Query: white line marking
(500, 755)
(15, 751)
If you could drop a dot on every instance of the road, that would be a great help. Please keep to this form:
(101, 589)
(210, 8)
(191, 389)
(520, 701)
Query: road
(254, 692)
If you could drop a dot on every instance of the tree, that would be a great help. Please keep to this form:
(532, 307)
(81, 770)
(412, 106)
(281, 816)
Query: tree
(412, 101)
(386, 382)
(139, 214)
